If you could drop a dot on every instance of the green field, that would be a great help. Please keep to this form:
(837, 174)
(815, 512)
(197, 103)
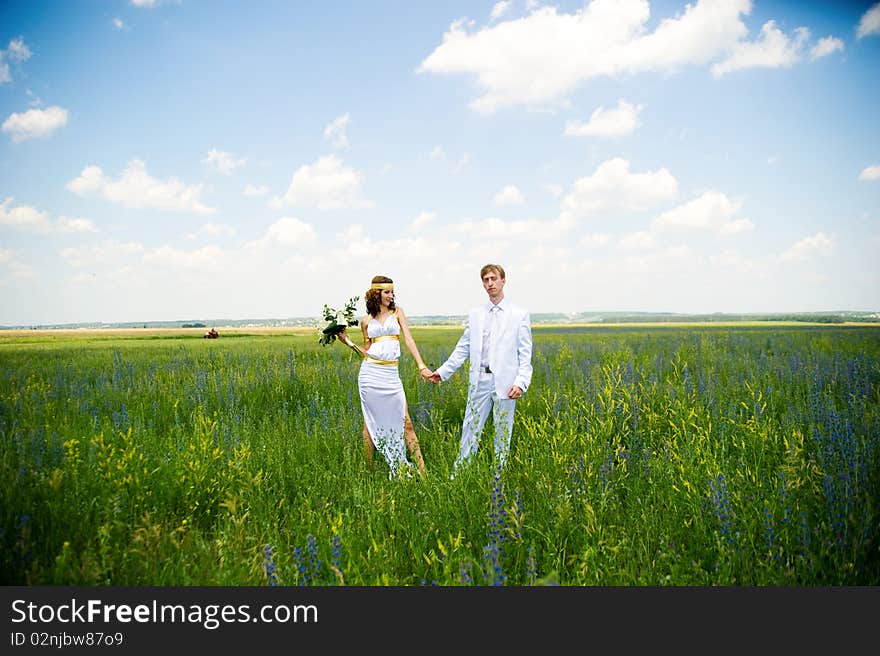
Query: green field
(702, 455)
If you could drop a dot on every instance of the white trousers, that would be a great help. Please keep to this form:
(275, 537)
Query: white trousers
(481, 398)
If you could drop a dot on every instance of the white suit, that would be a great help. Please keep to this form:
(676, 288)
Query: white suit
(509, 362)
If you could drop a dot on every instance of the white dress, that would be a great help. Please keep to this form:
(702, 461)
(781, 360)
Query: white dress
(383, 401)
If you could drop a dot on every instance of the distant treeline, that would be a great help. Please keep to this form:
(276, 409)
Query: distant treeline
(537, 318)
(823, 318)
(702, 318)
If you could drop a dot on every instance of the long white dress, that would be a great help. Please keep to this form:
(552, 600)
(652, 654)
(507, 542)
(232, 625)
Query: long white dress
(383, 401)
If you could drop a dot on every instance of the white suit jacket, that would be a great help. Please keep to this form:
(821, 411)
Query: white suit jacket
(510, 358)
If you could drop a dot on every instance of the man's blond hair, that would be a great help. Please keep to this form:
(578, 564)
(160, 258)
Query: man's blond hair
(493, 267)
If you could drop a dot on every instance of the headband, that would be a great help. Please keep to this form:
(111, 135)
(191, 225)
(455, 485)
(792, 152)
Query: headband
(382, 285)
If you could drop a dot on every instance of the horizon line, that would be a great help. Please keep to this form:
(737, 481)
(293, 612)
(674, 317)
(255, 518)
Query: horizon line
(569, 315)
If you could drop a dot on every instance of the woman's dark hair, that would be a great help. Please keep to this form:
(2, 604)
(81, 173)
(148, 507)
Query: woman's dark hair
(373, 297)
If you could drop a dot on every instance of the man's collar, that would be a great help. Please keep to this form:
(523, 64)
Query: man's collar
(501, 304)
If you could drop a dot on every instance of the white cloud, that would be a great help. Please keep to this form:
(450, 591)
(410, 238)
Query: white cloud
(107, 252)
(439, 154)
(20, 270)
(17, 270)
(607, 123)
(287, 232)
(509, 195)
(528, 229)
(807, 248)
(539, 262)
(826, 46)
(735, 227)
(541, 58)
(255, 190)
(592, 240)
(870, 173)
(327, 184)
(23, 217)
(463, 161)
(358, 249)
(410, 254)
(730, 259)
(335, 131)
(212, 230)
(613, 186)
(145, 4)
(422, 221)
(499, 9)
(18, 52)
(870, 22)
(67, 225)
(712, 212)
(118, 24)
(206, 258)
(658, 263)
(354, 232)
(29, 219)
(555, 190)
(774, 49)
(35, 123)
(638, 241)
(137, 189)
(222, 162)
(35, 100)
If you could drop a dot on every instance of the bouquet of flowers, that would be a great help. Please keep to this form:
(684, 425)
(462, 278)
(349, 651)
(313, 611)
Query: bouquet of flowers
(337, 321)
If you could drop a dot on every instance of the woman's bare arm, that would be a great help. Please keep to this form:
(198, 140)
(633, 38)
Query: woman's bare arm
(408, 338)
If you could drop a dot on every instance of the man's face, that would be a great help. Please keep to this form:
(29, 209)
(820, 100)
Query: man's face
(493, 283)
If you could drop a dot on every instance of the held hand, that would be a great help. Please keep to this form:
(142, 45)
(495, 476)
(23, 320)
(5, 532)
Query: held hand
(514, 392)
(342, 337)
(434, 378)
(425, 373)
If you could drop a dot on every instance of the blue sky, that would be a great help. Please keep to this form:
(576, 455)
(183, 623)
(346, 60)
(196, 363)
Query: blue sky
(176, 159)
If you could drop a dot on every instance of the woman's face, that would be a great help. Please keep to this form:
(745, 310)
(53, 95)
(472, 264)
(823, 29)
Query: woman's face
(387, 297)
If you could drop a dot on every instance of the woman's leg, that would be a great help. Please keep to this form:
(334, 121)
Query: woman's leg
(369, 447)
(409, 436)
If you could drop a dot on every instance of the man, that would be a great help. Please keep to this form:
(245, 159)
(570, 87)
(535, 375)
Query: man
(497, 341)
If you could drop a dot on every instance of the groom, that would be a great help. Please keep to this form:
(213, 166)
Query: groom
(497, 340)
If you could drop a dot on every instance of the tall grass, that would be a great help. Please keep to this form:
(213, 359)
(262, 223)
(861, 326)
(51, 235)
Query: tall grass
(677, 456)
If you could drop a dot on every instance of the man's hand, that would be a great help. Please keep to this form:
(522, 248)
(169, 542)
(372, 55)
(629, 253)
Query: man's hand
(514, 392)
(434, 378)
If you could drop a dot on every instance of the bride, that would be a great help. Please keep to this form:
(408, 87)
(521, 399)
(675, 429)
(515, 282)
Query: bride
(387, 424)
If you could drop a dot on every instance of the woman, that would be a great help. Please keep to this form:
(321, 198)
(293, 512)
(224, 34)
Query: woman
(387, 425)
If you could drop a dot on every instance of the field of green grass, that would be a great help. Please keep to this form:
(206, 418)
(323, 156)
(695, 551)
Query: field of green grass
(701, 455)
